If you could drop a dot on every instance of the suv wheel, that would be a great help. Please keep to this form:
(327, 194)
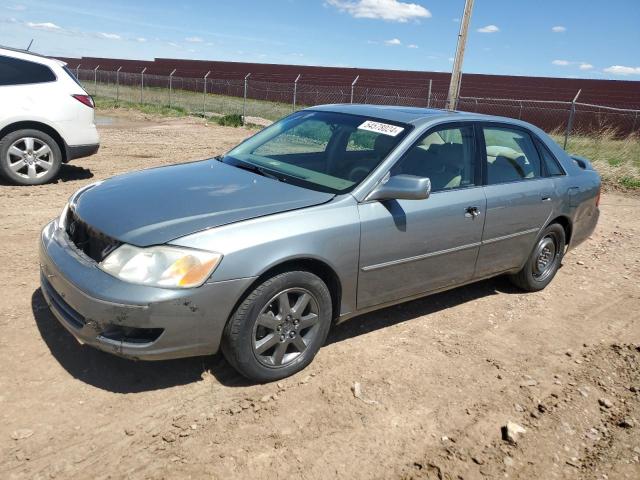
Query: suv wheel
(278, 329)
(29, 157)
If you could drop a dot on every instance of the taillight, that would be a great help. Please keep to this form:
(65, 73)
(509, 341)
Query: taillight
(598, 198)
(85, 99)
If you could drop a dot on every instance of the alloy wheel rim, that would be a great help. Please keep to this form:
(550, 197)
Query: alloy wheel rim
(285, 327)
(545, 257)
(29, 158)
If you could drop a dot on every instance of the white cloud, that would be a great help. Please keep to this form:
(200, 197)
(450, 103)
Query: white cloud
(17, 8)
(393, 42)
(109, 36)
(389, 10)
(585, 66)
(489, 29)
(194, 39)
(622, 70)
(141, 39)
(455, 20)
(51, 27)
(451, 59)
(558, 29)
(173, 44)
(412, 45)
(561, 63)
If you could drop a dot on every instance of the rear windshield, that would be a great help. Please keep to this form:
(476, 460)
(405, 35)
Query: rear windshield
(72, 75)
(324, 151)
(14, 71)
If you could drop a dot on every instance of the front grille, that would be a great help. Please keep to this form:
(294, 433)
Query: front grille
(96, 245)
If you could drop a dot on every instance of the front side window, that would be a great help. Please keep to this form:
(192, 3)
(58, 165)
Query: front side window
(445, 156)
(511, 155)
(14, 71)
(325, 151)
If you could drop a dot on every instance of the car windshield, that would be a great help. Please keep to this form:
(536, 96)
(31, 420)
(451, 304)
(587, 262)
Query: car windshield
(324, 151)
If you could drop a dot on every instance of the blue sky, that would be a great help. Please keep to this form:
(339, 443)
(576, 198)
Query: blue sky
(568, 38)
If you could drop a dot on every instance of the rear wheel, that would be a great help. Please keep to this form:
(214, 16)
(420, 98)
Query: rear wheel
(279, 327)
(29, 157)
(544, 261)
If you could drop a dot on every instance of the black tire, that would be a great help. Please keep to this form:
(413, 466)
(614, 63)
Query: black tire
(540, 268)
(243, 331)
(51, 160)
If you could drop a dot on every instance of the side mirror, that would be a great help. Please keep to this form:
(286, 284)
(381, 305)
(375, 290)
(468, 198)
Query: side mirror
(402, 187)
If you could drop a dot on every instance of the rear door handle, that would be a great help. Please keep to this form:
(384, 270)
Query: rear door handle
(546, 198)
(472, 212)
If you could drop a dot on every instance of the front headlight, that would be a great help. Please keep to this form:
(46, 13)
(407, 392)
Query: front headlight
(163, 266)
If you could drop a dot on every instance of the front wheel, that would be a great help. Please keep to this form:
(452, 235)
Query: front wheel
(280, 326)
(544, 261)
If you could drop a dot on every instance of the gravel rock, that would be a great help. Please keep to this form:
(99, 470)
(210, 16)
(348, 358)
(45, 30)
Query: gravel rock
(605, 402)
(627, 422)
(21, 434)
(169, 437)
(511, 431)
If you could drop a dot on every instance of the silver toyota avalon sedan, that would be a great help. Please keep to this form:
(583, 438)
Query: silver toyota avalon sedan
(330, 212)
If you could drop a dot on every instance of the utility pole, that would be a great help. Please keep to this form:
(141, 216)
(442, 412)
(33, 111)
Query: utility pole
(454, 86)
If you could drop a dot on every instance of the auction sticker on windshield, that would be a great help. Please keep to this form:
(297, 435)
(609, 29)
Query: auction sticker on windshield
(384, 128)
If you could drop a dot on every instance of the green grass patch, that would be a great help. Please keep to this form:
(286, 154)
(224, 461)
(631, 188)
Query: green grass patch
(163, 110)
(233, 120)
(616, 158)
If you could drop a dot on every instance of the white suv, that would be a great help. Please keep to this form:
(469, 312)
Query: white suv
(46, 117)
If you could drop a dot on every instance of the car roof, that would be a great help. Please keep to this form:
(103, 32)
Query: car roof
(31, 56)
(413, 115)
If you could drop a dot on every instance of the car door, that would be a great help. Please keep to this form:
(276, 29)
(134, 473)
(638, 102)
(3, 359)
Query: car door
(519, 197)
(409, 247)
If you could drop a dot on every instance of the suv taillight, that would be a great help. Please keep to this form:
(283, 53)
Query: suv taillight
(85, 99)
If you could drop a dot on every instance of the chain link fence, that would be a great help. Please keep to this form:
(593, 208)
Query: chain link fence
(261, 102)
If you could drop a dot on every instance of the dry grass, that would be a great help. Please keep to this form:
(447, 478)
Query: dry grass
(616, 159)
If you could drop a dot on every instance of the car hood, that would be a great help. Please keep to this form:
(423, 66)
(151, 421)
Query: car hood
(155, 206)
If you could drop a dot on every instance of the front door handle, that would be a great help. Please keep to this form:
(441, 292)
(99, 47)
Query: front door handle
(546, 198)
(472, 212)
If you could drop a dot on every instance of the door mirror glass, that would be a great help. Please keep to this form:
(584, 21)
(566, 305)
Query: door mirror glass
(402, 187)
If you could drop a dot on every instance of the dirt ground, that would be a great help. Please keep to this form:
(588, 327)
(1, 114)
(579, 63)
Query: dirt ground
(438, 376)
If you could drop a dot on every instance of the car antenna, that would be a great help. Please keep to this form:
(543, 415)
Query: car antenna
(30, 43)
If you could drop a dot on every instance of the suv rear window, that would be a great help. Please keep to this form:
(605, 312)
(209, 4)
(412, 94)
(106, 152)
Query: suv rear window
(14, 71)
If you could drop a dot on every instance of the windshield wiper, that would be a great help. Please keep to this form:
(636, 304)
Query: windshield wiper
(250, 167)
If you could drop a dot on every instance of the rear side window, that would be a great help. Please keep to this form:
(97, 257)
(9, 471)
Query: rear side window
(550, 162)
(14, 71)
(511, 156)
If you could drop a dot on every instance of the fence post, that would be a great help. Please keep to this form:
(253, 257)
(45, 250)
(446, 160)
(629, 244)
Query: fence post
(204, 93)
(244, 100)
(118, 85)
(635, 120)
(171, 84)
(142, 84)
(78, 72)
(429, 94)
(95, 80)
(295, 91)
(353, 86)
(520, 112)
(572, 112)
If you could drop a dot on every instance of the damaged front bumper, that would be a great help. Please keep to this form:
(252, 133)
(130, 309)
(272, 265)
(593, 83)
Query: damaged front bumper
(133, 321)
